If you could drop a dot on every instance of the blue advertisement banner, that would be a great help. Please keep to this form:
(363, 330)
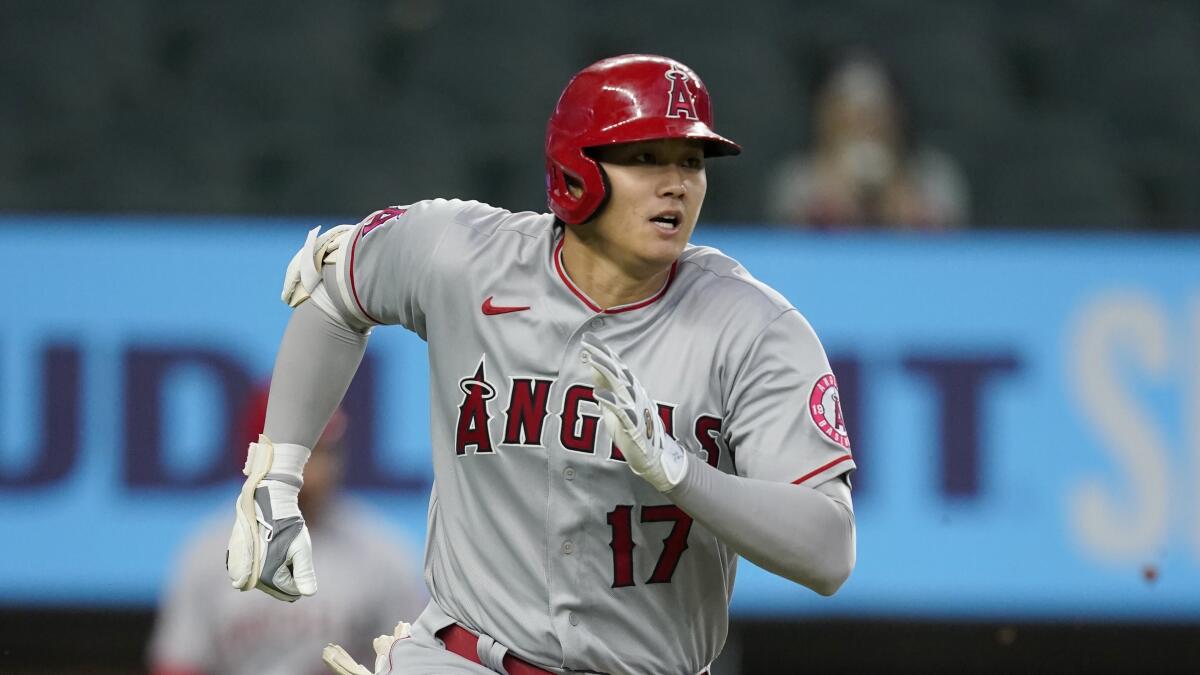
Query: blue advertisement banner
(1024, 410)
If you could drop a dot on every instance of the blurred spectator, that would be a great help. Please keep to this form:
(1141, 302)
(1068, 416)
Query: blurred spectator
(865, 167)
(368, 583)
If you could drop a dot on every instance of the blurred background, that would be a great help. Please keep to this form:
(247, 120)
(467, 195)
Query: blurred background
(989, 210)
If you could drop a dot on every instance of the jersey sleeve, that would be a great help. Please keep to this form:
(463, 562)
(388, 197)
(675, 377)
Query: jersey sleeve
(384, 268)
(785, 418)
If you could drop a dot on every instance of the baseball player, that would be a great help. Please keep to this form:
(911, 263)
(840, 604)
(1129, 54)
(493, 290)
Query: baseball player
(616, 415)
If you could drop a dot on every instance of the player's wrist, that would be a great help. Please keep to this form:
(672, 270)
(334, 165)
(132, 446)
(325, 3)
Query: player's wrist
(674, 462)
(288, 462)
(285, 499)
(666, 470)
(283, 461)
(279, 468)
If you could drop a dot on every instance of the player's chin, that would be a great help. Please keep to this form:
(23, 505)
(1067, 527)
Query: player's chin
(662, 253)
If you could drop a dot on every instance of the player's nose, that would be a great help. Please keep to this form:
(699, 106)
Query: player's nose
(671, 182)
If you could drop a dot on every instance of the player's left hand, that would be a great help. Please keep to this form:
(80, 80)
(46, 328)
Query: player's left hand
(343, 664)
(632, 420)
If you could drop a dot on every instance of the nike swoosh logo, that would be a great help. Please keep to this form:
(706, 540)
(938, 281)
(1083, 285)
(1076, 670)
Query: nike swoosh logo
(492, 310)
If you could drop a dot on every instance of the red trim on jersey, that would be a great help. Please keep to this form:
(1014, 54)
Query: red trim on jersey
(562, 273)
(820, 469)
(353, 287)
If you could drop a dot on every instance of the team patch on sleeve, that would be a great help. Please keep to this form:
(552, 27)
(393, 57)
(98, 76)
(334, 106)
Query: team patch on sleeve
(382, 217)
(825, 410)
(350, 287)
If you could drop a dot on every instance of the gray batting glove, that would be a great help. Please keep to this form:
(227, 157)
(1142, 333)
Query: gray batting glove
(269, 548)
(632, 420)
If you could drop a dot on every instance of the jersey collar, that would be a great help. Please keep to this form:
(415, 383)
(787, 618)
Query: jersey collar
(562, 274)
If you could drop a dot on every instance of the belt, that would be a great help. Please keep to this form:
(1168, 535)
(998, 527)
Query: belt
(464, 643)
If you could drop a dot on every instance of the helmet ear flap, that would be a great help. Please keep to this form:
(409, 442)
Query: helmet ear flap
(584, 171)
(607, 186)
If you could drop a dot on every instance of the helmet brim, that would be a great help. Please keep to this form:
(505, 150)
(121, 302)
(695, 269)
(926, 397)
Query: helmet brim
(651, 129)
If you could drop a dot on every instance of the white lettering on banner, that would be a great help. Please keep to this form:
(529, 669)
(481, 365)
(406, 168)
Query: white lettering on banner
(1121, 523)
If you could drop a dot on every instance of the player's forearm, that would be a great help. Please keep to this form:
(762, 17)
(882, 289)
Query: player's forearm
(794, 531)
(316, 361)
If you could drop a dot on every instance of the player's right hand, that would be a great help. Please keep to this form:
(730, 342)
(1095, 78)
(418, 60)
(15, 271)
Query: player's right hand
(269, 547)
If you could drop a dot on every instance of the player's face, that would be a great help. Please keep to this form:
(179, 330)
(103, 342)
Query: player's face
(657, 189)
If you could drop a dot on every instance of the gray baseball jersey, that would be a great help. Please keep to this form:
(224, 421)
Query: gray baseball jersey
(539, 534)
(368, 583)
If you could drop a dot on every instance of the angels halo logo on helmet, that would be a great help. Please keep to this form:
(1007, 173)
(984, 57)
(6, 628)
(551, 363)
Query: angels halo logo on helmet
(623, 99)
(680, 101)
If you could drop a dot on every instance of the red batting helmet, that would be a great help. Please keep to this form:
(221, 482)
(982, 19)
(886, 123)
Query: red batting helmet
(636, 97)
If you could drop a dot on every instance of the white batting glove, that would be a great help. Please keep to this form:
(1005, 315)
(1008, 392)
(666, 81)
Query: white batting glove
(304, 271)
(269, 548)
(632, 419)
(343, 664)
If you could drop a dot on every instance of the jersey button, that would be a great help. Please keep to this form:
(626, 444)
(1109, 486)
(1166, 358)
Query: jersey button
(597, 322)
(569, 473)
(572, 619)
(568, 547)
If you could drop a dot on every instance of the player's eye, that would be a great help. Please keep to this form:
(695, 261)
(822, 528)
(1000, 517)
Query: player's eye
(644, 158)
(693, 162)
